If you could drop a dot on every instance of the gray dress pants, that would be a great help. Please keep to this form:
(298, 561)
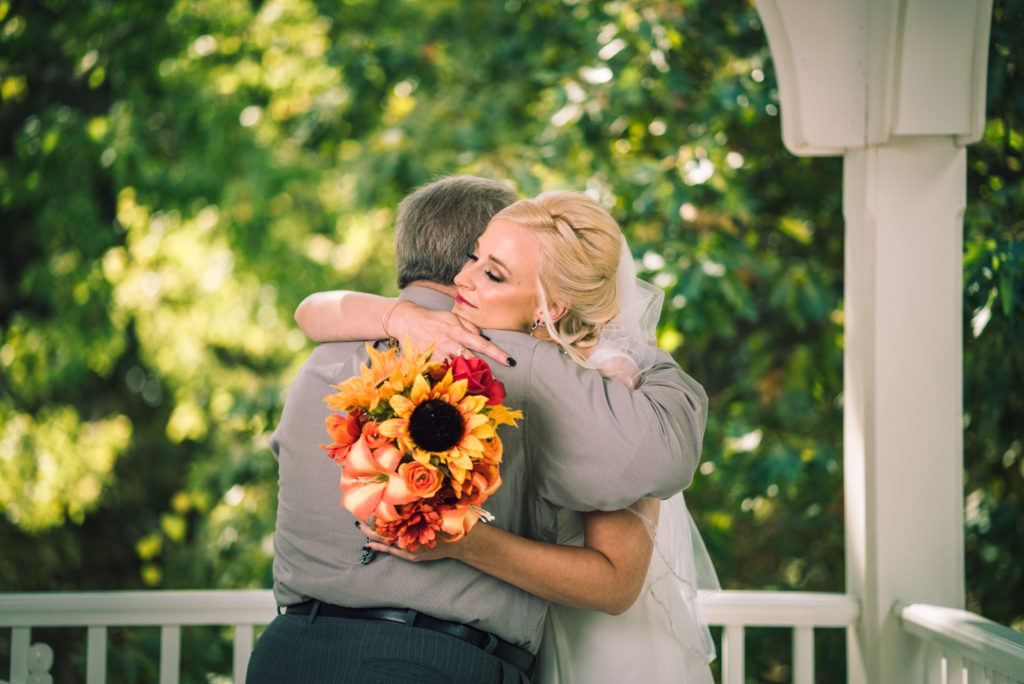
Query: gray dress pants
(302, 649)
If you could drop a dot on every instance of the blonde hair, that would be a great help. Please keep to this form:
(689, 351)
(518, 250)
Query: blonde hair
(580, 247)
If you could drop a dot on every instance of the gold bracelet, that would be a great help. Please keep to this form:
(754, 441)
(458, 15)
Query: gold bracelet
(387, 317)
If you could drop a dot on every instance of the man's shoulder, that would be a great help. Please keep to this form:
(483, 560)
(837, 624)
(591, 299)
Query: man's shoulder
(510, 340)
(532, 355)
(332, 362)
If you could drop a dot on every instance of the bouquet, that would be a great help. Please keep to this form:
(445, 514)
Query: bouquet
(418, 445)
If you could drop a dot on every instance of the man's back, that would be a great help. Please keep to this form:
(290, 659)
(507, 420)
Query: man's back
(584, 443)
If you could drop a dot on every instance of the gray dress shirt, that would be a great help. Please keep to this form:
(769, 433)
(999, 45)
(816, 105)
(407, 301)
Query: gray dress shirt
(584, 443)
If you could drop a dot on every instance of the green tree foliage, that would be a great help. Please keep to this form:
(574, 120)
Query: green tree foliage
(994, 335)
(176, 176)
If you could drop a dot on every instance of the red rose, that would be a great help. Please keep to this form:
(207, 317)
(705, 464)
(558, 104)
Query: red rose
(478, 378)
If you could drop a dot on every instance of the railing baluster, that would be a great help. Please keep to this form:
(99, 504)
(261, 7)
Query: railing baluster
(20, 636)
(732, 654)
(243, 647)
(803, 655)
(974, 674)
(96, 655)
(955, 668)
(933, 665)
(170, 654)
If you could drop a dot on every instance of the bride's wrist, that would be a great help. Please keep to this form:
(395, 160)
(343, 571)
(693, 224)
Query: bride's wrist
(392, 321)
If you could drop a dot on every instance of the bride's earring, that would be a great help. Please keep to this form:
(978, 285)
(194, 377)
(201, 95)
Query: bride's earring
(533, 328)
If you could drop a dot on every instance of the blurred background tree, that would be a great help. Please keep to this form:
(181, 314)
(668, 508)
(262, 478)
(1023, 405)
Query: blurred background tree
(176, 176)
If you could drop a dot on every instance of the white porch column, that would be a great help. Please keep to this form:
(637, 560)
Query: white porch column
(903, 377)
(898, 88)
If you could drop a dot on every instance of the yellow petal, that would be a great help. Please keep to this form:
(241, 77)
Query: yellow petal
(470, 443)
(474, 403)
(395, 427)
(402, 405)
(420, 390)
(457, 391)
(459, 459)
(421, 456)
(476, 422)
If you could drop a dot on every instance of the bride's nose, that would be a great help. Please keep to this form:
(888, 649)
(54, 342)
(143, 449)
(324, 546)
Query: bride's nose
(462, 278)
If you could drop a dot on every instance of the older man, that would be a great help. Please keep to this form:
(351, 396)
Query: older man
(585, 443)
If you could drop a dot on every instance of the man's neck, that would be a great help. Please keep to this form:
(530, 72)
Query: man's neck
(449, 290)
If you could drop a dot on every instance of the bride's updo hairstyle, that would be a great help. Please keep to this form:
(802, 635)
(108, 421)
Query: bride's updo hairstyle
(580, 247)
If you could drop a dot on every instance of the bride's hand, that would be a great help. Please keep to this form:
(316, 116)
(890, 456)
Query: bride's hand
(451, 335)
(439, 551)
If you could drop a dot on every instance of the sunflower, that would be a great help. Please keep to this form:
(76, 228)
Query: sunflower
(441, 422)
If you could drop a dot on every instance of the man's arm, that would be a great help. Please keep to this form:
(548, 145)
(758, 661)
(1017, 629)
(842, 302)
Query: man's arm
(599, 445)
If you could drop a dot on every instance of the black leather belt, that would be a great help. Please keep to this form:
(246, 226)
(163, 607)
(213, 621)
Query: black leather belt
(496, 646)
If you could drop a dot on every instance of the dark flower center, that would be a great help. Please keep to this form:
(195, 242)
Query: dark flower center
(435, 425)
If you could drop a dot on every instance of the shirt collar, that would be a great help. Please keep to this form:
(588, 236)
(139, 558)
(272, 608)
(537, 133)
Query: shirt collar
(428, 298)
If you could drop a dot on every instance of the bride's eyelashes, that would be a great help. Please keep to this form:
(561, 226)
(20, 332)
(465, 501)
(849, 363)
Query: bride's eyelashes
(492, 276)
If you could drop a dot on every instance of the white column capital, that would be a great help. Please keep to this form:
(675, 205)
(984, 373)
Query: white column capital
(857, 73)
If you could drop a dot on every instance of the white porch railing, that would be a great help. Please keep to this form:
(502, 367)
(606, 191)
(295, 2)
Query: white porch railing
(963, 647)
(734, 611)
(169, 610)
(982, 650)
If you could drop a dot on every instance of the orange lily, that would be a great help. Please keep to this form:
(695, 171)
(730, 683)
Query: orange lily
(458, 520)
(371, 482)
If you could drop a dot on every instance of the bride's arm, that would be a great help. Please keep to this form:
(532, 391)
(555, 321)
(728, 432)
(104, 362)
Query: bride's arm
(605, 574)
(340, 315)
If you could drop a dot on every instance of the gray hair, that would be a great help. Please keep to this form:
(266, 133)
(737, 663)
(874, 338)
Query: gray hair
(438, 225)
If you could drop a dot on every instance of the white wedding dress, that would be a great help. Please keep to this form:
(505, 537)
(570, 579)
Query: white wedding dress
(661, 638)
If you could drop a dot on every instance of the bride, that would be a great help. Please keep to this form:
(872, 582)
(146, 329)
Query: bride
(622, 584)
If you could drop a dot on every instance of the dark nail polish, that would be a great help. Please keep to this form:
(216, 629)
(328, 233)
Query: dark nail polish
(358, 524)
(511, 361)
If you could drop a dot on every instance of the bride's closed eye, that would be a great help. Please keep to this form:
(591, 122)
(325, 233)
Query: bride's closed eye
(489, 274)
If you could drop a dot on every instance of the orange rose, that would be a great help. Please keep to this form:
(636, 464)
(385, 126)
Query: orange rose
(480, 484)
(423, 480)
(492, 450)
(371, 432)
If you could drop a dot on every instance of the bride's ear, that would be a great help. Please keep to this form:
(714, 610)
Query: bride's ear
(557, 311)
